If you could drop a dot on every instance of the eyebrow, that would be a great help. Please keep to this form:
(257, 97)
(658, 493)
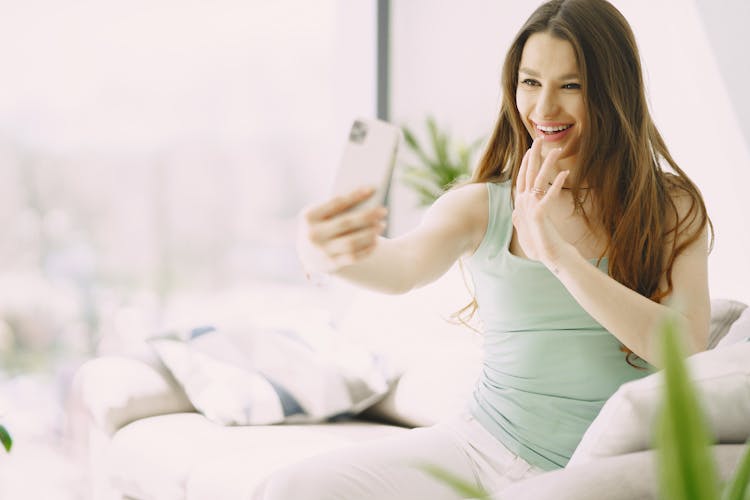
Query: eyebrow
(531, 72)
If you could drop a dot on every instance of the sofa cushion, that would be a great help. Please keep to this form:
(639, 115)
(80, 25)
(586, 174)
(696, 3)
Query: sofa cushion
(186, 456)
(724, 314)
(738, 331)
(439, 358)
(115, 391)
(625, 423)
(435, 387)
(286, 376)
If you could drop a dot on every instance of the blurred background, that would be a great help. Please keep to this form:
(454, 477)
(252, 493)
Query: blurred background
(154, 155)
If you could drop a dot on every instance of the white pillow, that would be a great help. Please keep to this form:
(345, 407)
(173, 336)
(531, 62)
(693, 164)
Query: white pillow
(739, 331)
(724, 312)
(625, 423)
(279, 376)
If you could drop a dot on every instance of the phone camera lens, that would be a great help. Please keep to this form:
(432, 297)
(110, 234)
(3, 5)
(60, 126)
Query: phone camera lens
(358, 132)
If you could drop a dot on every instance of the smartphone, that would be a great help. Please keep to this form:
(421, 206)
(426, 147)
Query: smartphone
(368, 160)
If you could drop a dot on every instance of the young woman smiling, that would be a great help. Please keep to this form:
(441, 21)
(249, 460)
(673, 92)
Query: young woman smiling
(578, 241)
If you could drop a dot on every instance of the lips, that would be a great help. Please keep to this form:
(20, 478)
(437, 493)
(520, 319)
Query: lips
(553, 131)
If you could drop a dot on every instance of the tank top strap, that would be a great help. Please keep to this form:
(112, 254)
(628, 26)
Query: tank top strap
(499, 221)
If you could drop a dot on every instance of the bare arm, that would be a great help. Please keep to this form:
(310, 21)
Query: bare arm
(629, 316)
(452, 226)
(633, 318)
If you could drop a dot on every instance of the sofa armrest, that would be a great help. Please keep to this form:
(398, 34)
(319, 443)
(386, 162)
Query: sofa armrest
(114, 391)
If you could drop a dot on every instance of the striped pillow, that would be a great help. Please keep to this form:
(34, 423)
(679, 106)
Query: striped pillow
(273, 376)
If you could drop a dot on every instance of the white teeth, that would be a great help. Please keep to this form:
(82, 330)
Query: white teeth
(553, 129)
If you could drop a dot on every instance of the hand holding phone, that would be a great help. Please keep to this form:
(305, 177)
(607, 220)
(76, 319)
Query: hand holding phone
(368, 160)
(345, 229)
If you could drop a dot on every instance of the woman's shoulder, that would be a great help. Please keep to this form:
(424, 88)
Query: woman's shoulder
(467, 197)
(466, 206)
(683, 196)
(474, 199)
(461, 206)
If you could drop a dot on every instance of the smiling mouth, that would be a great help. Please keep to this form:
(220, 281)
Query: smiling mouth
(552, 130)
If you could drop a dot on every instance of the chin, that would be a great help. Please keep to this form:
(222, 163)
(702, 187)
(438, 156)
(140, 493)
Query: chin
(566, 150)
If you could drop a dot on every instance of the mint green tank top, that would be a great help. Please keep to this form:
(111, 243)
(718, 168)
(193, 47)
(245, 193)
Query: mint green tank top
(548, 366)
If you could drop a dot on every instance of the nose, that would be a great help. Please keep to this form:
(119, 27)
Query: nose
(546, 104)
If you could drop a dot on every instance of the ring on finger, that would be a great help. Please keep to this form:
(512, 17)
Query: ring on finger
(538, 191)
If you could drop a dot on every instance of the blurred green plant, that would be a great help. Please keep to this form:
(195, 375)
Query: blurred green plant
(5, 438)
(685, 464)
(442, 164)
(459, 485)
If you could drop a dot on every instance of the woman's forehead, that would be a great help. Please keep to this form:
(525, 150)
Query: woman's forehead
(547, 56)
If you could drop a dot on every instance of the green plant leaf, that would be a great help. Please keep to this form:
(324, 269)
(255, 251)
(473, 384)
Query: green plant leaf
(426, 191)
(464, 158)
(439, 142)
(440, 168)
(413, 144)
(424, 182)
(737, 489)
(460, 486)
(5, 439)
(411, 139)
(420, 172)
(686, 468)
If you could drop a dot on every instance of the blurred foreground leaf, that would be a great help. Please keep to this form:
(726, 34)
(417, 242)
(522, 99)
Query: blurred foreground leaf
(460, 486)
(5, 439)
(686, 467)
(737, 488)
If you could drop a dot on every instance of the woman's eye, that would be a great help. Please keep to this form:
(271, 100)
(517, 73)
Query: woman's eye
(572, 86)
(530, 82)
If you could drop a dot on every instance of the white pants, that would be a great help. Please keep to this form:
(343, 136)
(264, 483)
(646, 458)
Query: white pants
(388, 468)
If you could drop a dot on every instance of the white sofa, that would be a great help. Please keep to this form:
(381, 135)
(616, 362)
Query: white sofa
(147, 442)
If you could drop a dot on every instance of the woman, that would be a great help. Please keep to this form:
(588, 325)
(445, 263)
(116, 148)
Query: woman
(578, 242)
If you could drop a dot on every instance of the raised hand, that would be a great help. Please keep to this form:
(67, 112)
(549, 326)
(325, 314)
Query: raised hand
(537, 234)
(335, 234)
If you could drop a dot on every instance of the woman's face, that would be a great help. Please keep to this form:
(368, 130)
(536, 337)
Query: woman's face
(549, 96)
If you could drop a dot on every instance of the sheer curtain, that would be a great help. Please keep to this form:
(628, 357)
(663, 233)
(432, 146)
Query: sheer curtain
(157, 146)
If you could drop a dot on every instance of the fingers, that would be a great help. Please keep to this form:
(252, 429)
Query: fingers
(349, 259)
(348, 249)
(341, 240)
(332, 236)
(557, 186)
(321, 232)
(338, 204)
(521, 179)
(547, 170)
(535, 161)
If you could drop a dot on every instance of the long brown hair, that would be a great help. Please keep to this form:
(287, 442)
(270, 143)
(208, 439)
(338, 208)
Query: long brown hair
(621, 151)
